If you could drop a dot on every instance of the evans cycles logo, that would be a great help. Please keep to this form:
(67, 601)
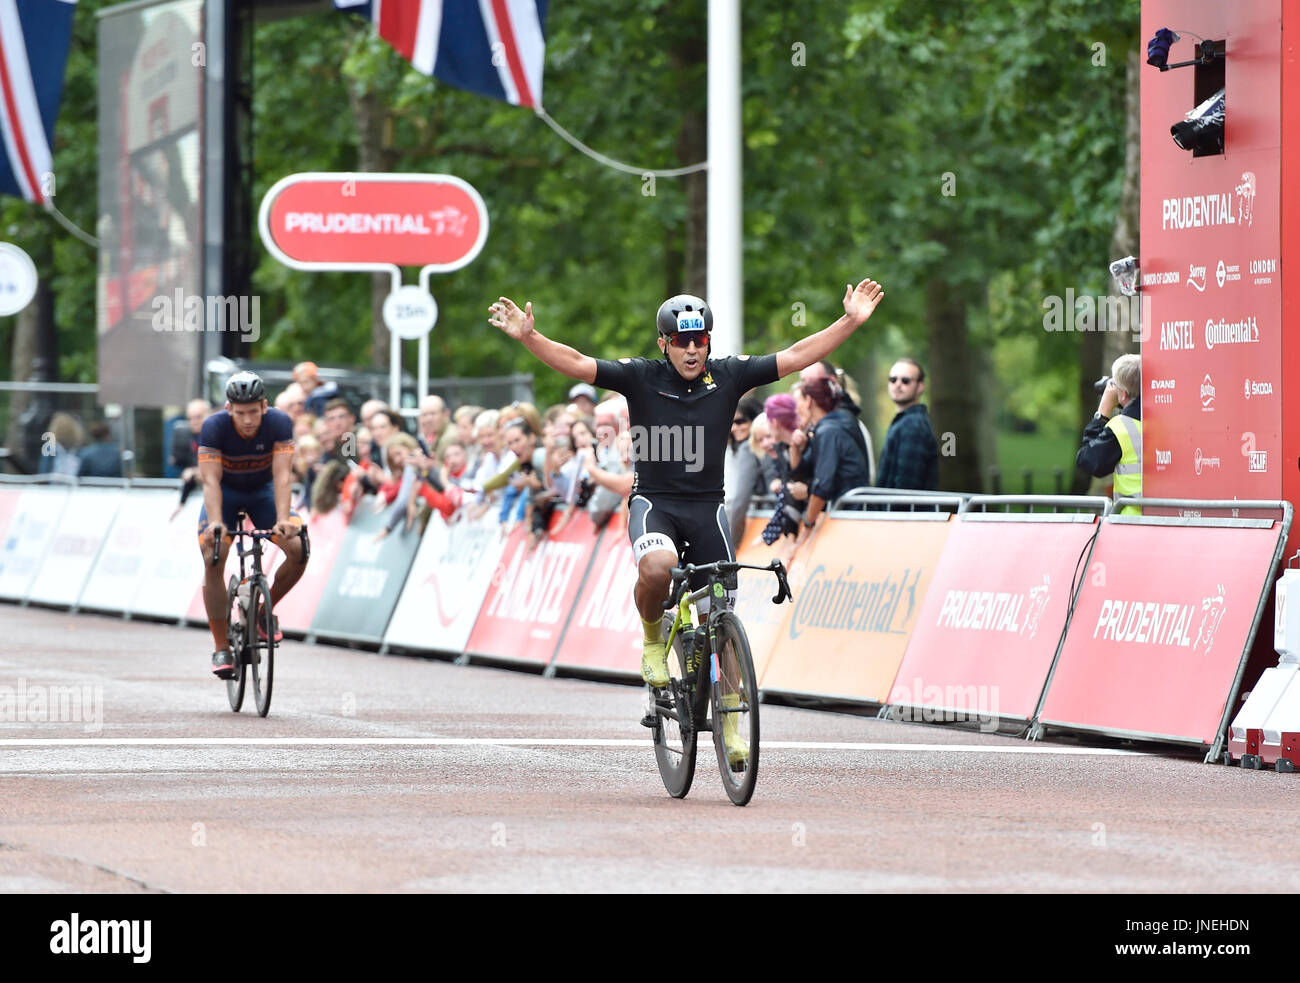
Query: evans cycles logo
(846, 603)
(1162, 390)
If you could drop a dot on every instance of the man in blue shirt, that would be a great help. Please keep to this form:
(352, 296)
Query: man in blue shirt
(245, 463)
(910, 458)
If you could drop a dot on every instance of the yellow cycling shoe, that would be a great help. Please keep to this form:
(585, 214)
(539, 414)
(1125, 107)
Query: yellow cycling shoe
(654, 664)
(737, 747)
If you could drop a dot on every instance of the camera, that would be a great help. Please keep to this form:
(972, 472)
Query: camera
(1100, 385)
(1125, 274)
(1202, 130)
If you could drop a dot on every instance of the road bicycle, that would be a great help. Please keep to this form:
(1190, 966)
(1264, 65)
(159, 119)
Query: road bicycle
(252, 636)
(725, 701)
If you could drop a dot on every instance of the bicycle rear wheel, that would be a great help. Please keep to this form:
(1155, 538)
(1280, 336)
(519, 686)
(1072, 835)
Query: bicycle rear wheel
(261, 635)
(735, 708)
(235, 636)
(674, 731)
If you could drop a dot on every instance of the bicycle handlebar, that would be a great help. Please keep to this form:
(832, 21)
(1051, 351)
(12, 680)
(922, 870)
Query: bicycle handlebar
(681, 574)
(258, 534)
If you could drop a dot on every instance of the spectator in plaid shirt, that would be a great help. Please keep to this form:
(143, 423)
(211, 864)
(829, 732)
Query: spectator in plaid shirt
(910, 458)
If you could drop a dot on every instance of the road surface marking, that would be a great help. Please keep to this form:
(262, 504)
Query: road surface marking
(589, 742)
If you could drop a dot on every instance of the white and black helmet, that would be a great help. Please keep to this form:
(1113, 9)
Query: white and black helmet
(245, 387)
(671, 310)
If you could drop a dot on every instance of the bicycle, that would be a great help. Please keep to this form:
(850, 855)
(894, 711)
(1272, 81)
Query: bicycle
(678, 713)
(254, 651)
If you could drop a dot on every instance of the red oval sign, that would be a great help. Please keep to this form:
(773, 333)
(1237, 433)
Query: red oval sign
(320, 221)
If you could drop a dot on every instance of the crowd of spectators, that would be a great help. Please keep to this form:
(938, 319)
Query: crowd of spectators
(800, 450)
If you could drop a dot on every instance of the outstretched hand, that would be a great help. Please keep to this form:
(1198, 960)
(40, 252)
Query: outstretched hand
(507, 316)
(861, 300)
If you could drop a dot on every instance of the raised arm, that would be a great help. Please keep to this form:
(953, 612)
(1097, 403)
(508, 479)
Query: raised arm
(518, 324)
(859, 302)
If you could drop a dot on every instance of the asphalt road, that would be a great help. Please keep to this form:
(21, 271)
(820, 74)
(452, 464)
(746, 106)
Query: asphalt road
(385, 773)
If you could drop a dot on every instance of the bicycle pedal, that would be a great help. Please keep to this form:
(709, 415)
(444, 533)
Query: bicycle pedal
(650, 720)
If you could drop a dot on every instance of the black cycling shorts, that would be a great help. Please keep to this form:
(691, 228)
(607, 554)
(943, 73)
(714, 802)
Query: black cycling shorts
(667, 523)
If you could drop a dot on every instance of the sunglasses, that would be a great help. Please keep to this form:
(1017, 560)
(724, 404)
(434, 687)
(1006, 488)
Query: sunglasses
(739, 420)
(905, 380)
(683, 339)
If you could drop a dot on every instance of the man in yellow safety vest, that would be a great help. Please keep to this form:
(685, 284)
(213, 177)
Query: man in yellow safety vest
(1113, 444)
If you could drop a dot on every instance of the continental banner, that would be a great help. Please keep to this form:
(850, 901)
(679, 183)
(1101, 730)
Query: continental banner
(532, 593)
(77, 541)
(31, 530)
(448, 581)
(132, 538)
(1159, 630)
(992, 619)
(366, 578)
(605, 631)
(862, 584)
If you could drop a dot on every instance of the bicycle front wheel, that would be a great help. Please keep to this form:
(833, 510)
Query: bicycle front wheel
(261, 634)
(674, 730)
(235, 639)
(735, 708)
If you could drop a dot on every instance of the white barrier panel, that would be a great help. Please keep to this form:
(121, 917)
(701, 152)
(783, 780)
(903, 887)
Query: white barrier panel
(447, 584)
(132, 539)
(77, 542)
(31, 530)
(173, 567)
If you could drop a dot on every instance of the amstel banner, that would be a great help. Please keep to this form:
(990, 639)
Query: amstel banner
(532, 593)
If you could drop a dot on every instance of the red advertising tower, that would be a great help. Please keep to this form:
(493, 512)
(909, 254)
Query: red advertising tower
(1220, 419)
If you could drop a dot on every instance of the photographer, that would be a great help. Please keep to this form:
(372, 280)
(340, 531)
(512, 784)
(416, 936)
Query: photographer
(1113, 444)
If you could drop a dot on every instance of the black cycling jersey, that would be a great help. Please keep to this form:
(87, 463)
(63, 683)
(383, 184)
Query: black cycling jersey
(680, 429)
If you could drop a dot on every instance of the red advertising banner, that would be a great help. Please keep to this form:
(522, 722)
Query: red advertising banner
(326, 533)
(862, 584)
(605, 630)
(1159, 630)
(372, 221)
(532, 593)
(1211, 264)
(993, 617)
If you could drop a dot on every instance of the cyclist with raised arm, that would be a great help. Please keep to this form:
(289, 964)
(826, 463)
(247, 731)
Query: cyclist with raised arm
(246, 465)
(681, 410)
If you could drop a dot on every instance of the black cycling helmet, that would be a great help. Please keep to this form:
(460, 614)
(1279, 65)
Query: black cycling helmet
(674, 306)
(245, 387)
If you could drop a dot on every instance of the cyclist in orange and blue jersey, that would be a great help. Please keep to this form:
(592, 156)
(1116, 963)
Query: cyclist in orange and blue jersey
(245, 463)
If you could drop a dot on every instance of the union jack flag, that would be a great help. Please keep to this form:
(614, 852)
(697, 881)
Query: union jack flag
(34, 39)
(493, 47)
